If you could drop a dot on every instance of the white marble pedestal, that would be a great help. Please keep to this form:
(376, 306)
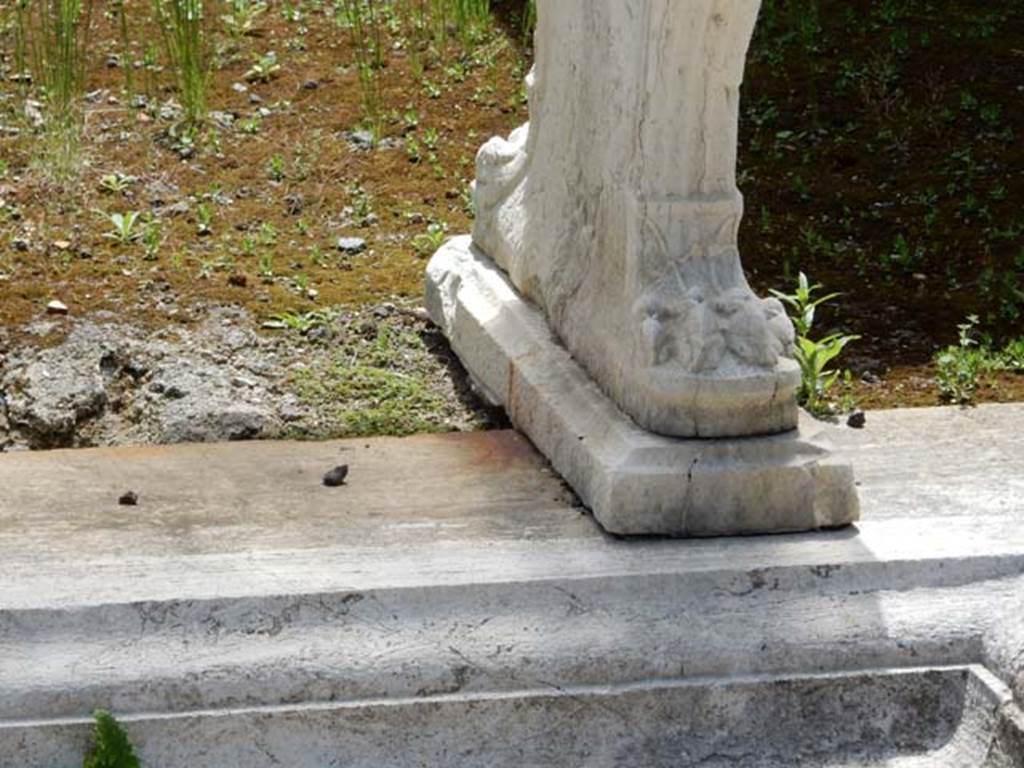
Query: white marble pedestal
(636, 482)
(603, 302)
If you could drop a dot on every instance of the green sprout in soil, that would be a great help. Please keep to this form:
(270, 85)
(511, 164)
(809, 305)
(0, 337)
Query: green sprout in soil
(152, 239)
(275, 169)
(266, 268)
(959, 367)
(116, 183)
(204, 219)
(428, 242)
(264, 69)
(301, 322)
(53, 39)
(124, 229)
(186, 39)
(240, 20)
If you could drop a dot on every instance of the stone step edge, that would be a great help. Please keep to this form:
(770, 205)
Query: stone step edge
(998, 695)
(872, 575)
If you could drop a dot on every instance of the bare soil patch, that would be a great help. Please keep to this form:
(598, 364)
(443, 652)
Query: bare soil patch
(880, 153)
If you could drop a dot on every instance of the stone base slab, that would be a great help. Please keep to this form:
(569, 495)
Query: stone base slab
(636, 482)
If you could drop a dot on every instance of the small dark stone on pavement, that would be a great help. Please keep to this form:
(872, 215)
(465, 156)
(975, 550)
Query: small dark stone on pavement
(128, 499)
(857, 420)
(336, 476)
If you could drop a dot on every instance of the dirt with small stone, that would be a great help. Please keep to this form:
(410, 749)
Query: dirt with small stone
(280, 293)
(108, 382)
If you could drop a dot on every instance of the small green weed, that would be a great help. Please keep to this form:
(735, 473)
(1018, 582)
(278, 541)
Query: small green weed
(428, 242)
(413, 150)
(124, 227)
(113, 749)
(152, 239)
(302, 322)
(814, 356)
(204, 219)
(264, 69)
(275, 169)
(817, 380)
(362, 205)
(1012, 356)
(959, 366)
(240, 20)
(116, 183)
(431, 138)
(266, 268)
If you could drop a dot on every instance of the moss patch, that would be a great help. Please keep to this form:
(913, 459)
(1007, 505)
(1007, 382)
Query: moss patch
(389, 376)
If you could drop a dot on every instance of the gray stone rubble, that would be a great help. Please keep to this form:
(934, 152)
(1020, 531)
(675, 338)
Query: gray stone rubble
(111, 383)
(108, 381)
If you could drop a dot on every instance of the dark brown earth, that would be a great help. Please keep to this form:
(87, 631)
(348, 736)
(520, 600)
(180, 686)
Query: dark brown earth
(881, 153)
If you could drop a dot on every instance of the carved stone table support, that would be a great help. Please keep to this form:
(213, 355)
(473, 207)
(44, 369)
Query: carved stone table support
(606, 231)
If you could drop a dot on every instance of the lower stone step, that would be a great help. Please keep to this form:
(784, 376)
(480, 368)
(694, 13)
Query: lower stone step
(960, 717)
(454, 606)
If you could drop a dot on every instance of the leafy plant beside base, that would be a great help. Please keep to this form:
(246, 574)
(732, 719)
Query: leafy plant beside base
(814, 357)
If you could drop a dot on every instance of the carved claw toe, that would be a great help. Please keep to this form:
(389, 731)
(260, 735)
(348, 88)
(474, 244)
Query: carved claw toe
(700, 336)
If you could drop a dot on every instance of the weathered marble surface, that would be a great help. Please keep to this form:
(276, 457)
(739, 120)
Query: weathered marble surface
(635, 481)
(602, 301)
(454, 605)
(616, 210)
(941, 718)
